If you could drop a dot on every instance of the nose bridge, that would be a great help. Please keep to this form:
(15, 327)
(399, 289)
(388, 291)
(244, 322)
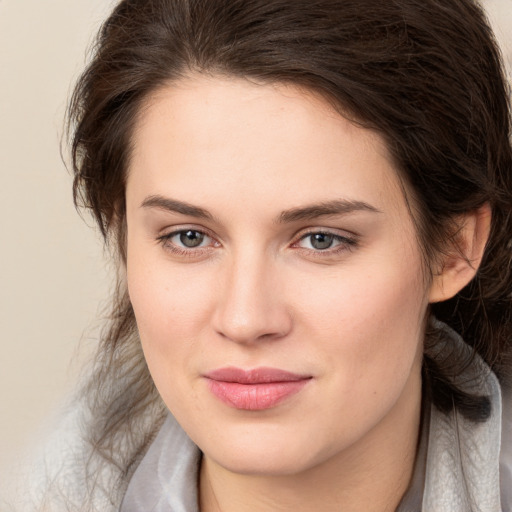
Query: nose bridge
(250, 305)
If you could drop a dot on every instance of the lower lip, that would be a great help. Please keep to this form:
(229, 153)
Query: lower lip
(255, 397)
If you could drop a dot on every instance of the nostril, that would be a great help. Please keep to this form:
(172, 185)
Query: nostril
(250, 307)
(254, 328)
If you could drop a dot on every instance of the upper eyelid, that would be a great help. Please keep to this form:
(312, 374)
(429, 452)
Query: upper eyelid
(342, 233)
(348, 240)
(170, 231)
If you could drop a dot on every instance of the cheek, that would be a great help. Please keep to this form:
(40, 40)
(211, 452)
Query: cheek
(167, 314)
(165, 296)
(171, 309)
(370, 326)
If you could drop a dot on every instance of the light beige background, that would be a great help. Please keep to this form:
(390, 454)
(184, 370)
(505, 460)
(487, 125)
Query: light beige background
(52, 275)
(52, 272)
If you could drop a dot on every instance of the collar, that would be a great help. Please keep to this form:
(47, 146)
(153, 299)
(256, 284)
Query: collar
(463, 459)
(166, 479)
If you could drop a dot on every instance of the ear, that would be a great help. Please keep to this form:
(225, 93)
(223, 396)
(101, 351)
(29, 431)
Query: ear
(459, 264)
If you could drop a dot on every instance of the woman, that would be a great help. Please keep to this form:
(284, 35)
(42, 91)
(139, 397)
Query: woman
(310, 204)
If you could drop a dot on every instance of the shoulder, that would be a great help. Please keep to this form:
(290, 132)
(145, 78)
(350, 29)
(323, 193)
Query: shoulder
(57, 477)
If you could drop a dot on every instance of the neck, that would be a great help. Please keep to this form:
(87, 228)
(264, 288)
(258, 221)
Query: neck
(372, 475)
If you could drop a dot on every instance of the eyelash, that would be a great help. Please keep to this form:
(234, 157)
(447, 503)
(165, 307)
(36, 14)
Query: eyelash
(344, 243)
(191, 252)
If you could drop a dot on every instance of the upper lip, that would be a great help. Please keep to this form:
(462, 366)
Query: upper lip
(260, 375)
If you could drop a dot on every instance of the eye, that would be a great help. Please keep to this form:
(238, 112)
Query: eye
(186, 241)
(190, 238)
(320, 241)
(325, 241)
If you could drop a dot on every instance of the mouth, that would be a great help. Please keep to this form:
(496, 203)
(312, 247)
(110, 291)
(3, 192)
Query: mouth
(254, 390)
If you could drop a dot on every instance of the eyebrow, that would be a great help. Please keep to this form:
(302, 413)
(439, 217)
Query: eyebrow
(335, 207)
(309, 212)
(173, 205)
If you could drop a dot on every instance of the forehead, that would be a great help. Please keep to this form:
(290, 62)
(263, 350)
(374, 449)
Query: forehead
(211, 138)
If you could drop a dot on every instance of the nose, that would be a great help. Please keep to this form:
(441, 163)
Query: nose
(251, 303)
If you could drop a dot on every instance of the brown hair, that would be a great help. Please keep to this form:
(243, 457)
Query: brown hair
(426, 74)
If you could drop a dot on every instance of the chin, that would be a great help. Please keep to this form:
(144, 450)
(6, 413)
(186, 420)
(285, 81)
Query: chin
(266, 453)
(265, 463)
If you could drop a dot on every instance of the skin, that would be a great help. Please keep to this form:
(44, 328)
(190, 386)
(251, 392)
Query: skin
(258, 292)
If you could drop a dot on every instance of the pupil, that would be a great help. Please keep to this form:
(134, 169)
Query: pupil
(322, 241)
(191, 238)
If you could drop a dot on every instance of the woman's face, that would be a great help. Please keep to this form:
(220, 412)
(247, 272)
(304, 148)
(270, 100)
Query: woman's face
(274, 272)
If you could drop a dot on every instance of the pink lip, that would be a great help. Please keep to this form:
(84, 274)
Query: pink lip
(254, 390)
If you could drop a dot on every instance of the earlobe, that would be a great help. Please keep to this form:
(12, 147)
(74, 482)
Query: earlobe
(460, 263)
